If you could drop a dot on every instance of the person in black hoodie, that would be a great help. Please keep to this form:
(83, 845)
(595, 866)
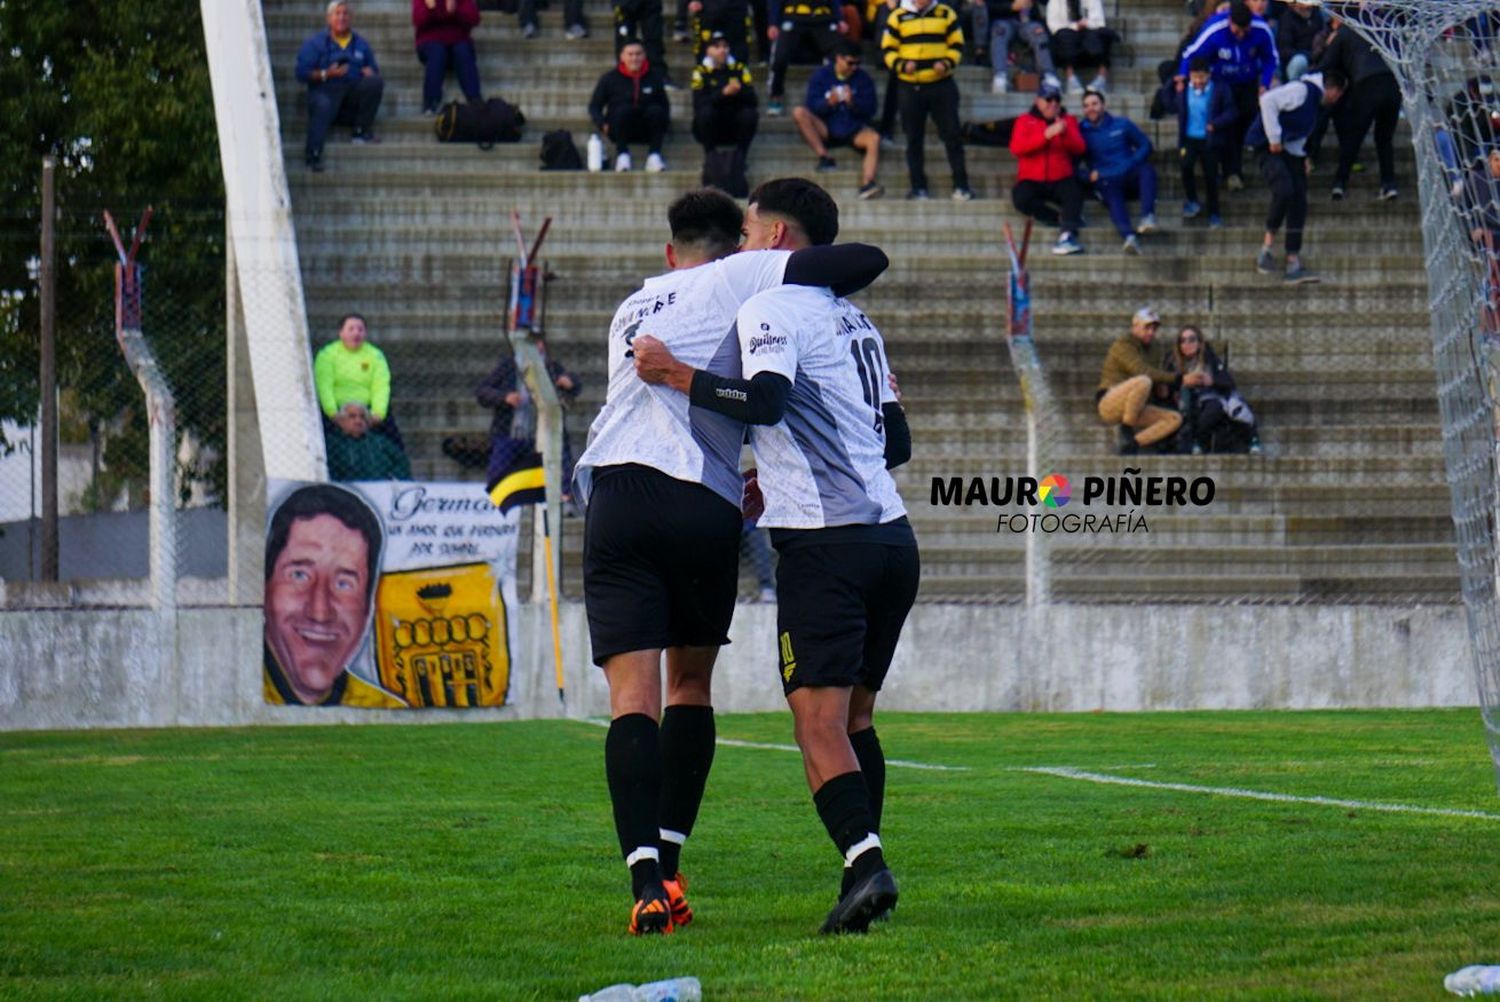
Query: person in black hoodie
(724, 105)
(1374, 98)
(630, 105)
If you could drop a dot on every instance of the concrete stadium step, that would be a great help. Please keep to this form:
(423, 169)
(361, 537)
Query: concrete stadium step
(1239, 530)
(1099, 277)
(1328, 317)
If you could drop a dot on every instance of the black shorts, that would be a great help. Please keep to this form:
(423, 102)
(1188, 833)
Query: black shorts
(661, 560)
(839, 611)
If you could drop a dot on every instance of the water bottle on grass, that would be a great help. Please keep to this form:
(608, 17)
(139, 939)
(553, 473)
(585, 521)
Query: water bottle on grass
(1476, 979)
(672, 990)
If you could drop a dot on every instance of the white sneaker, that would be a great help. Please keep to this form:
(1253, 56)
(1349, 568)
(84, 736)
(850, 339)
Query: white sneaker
(1000, 84)
(1100, 84)
(1074, 87)
(655, 164)
(622, 163)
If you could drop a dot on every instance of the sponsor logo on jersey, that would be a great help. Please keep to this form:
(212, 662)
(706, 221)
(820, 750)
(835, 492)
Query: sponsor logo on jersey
(771, 342)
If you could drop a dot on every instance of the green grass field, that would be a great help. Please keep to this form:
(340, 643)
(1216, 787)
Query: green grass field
(479, 862)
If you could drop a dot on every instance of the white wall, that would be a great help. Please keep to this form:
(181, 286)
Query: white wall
(67, 668)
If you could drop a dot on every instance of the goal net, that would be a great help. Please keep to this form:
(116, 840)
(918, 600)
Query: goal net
(1446, 56)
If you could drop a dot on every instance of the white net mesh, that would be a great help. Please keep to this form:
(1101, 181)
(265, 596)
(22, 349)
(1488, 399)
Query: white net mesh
(1444, 54)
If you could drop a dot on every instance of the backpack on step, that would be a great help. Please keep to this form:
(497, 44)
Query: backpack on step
(483, 122)
(724, 168)
(559, 153)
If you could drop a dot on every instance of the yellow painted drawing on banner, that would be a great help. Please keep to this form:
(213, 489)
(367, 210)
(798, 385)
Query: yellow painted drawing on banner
(442, 636)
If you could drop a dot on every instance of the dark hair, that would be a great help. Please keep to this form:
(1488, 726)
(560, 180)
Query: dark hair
(1199, 64)
(708, 218)
(1239, 15)
(804, 203)
(629, 41)
(1335, 78)
(847, 48)
(352, 316)
(326, 499)
(1091, 92)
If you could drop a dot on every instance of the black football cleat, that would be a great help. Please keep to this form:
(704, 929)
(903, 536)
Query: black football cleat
(652, 914)
(871, 899)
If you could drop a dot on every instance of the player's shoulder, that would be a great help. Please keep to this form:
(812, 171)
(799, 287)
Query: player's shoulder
(790, 301)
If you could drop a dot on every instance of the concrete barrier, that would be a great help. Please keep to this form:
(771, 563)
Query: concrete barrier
(69, 668)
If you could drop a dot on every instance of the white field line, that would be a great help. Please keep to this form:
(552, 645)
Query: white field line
(764, 746)
(1064, 772)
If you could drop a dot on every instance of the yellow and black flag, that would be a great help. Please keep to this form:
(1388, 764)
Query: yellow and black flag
(520, 481)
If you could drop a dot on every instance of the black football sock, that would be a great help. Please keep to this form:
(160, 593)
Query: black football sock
(871, 758)
(844, 806)
(872, 763)
(632, 764)
(687, 753)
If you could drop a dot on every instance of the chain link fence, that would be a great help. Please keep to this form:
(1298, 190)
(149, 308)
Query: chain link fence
(103, 425)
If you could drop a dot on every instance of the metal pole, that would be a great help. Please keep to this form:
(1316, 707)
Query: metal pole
(49, 372)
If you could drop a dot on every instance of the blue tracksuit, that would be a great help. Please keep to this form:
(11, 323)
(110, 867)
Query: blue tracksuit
(1235, 61)
(1121, 153)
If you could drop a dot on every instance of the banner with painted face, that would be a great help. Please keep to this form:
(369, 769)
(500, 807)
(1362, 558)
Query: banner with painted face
(389, 594)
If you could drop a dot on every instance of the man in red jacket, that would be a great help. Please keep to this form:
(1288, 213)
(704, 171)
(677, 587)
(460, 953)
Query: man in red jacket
(1047, 143)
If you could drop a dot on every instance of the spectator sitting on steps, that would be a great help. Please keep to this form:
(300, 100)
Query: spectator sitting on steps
(1118, 163)
(1128, 381)
(354, 393)
(443, 39)
(725, 110)
(630, 105)
(1215, 418)
(513, 424)
(1080, 41)
(1047, 143)
(1011, 21)
(344, 84)
(839, 109)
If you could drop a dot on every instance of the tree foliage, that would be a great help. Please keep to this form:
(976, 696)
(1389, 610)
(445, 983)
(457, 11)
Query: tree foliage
(120, 94)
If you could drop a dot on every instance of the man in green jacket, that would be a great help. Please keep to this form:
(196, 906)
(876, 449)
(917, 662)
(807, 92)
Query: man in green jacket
(1128, 381)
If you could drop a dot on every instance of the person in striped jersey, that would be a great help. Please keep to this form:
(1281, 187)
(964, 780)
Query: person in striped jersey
(923, 45)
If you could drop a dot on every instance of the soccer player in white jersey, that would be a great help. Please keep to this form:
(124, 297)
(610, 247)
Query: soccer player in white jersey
(661, 480)
(827, 426)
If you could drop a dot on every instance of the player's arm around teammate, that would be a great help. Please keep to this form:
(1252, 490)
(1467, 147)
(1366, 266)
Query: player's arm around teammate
(849, 566)
(661, 536)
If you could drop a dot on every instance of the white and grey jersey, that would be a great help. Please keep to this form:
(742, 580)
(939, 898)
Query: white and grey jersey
(692, 312)
(823, 464)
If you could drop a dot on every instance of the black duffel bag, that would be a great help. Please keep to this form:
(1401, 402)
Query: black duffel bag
(483, 122)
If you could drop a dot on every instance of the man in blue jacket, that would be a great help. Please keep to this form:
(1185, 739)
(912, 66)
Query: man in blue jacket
(343, 80)
(1241, 50)
(1118, 164)
(838, 109)
(1205, 120)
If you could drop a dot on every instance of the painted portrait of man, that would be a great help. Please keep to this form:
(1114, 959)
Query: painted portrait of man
(323, 550)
